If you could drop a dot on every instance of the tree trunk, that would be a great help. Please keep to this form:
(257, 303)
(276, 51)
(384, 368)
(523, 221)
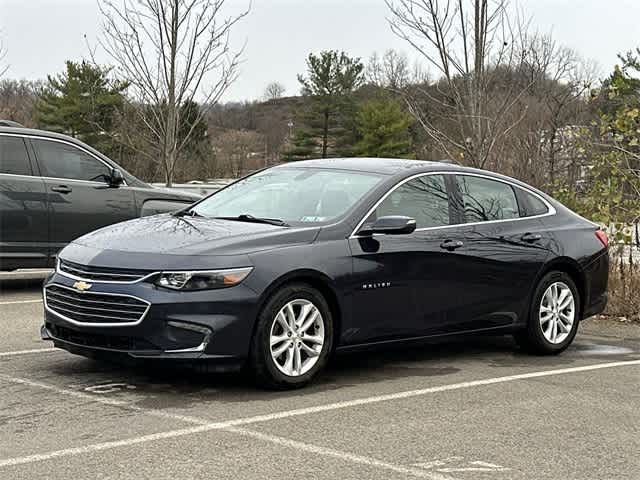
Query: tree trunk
(172, 108)
(325, 134)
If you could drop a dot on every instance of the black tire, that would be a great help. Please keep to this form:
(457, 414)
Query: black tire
(532, 338)
(263, 367)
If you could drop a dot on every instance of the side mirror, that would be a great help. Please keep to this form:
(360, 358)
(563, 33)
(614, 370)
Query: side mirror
(116, 178)
(390, 225)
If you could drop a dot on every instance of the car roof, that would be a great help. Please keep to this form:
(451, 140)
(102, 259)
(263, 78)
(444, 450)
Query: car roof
(33, 132)
(398, 168)
(38, 133)
(385, 166)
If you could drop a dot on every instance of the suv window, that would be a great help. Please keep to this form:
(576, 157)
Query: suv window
(486, 200)
(423, 199)
(13, 156)
(59, 160)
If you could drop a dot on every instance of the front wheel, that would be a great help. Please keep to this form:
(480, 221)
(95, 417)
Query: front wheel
(553, 315)
(293, 338)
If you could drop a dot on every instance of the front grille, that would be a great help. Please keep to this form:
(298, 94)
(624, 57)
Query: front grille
(114, 342)
(101, 274)
(91, 307)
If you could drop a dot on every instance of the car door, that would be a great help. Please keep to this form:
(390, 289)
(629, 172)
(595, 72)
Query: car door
(24, 233)
(79, 195)
(403, 284)
(501, 252)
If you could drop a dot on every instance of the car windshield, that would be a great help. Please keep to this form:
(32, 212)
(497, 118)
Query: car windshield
(292, 195)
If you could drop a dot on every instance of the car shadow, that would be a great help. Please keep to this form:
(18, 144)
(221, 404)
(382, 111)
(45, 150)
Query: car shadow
(165, 385)
(21, 284)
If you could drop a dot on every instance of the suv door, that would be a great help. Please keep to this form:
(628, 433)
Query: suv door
(24, 233)
(404, 284)
(502, 250)
(79, 195)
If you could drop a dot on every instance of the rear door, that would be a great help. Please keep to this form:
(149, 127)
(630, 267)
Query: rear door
(503, 247)
(24, 233)
(79, 195)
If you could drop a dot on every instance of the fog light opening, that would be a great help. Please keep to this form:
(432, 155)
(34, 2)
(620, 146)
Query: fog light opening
(205, 331)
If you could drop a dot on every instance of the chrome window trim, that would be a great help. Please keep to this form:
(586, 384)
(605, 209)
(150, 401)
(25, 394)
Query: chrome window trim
(40, 177)
(550, 208)
(90, 280)
(96, 324)
(66, 142)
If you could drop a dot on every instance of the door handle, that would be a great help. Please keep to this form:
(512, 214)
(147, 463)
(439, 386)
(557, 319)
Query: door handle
(531, 237)
(451, 245)
(61, 189)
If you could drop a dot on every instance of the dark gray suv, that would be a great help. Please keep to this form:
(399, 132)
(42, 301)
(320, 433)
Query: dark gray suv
(54, 188)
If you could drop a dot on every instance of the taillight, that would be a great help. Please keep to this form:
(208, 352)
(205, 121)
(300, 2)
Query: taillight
(602, 236)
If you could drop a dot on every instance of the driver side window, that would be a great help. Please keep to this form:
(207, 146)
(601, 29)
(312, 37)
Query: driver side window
(59, 160)
(423, 199)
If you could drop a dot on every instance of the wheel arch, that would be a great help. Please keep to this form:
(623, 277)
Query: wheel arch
(317, 280)
(572, 268)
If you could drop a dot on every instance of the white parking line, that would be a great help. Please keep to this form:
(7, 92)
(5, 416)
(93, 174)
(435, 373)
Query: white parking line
(230, 425)
(330, 452)
(17, 274)
(27, 352)
(16, 302)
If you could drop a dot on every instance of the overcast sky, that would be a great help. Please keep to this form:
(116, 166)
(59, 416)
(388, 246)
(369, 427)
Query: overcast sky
(41, 34)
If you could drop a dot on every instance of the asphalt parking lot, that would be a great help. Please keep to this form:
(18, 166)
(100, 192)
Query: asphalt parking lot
(474, 409)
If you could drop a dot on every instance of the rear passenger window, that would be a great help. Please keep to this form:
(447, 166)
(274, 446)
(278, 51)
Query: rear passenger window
(533, 205)
(423, 199)
(13, 156)
(485, 200)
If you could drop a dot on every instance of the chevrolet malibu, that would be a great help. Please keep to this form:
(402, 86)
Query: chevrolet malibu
(284, 267)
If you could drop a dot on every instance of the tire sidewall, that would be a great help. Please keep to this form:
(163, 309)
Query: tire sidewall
(534, 329)
(264, 365)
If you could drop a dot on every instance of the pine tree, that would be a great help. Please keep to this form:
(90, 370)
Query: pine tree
(81, 102)
(383, 127)
(331, 79)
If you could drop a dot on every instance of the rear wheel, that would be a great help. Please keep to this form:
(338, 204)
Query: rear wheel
(553, 315)
(293, 338)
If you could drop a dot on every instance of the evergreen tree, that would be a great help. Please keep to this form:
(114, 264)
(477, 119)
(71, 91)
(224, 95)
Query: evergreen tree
(383, 127)
(81, 102)
(331, 79)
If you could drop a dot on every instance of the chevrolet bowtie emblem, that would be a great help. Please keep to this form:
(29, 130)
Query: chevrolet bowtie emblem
(82, 286)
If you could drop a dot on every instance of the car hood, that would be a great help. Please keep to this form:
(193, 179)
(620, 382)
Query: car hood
(169, 241)
(176, 194)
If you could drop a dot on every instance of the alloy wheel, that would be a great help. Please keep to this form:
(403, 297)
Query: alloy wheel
(557, 312)
(297, 336)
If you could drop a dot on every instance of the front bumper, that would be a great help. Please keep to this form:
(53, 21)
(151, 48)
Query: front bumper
(208, 326)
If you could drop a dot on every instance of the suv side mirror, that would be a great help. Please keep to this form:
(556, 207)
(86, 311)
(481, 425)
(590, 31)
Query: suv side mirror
(116, 178)
(390, 225)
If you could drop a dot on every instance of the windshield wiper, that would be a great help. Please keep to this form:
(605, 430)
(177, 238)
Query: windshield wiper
(187, 213)
(245, 217)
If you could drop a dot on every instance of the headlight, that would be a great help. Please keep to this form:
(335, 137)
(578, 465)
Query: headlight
(203, 279)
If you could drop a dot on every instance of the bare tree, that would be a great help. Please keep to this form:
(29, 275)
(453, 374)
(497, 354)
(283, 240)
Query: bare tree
(544, 143)
(238, 152)
(3, 54)
(564, 79)
(470, 45)
(18, 99)
(389, 70)
(273, 91)
(392, 70)
(173, 52)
